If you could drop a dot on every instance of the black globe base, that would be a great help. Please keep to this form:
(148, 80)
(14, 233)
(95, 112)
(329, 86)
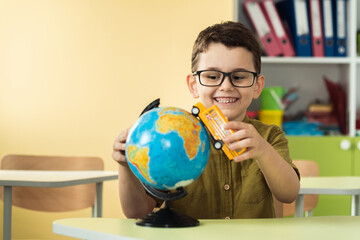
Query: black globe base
(167, 218)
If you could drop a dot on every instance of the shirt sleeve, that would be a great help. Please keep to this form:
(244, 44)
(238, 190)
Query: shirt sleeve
(278, 140)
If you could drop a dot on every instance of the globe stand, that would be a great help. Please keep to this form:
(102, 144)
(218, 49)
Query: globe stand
(166, 217)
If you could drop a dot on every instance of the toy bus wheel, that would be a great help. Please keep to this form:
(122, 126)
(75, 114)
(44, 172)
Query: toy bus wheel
(195, 111)
(218, 145)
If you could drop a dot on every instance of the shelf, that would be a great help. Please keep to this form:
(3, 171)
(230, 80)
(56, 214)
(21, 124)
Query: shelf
(307, 60)
(296, 71)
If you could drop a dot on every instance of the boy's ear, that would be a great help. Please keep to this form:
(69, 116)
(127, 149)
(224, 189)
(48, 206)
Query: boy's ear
(191, 82)
(259, 85)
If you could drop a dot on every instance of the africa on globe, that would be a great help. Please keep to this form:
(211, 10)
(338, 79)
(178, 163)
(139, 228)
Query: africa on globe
(167, 148)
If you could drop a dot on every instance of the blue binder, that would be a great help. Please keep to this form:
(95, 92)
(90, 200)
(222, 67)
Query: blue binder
(340, 18)
(295, 14)
(328, 28)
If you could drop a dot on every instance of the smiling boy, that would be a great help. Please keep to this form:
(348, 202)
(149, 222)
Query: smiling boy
(226, 64)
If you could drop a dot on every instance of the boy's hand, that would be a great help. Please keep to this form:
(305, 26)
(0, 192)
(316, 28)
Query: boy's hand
(118, 153)
(246, 136)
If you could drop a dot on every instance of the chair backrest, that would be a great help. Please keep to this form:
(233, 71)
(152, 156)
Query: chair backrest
(52, 199)
(306, 168)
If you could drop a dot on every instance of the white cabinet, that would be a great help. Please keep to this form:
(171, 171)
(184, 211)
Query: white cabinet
(307, 73)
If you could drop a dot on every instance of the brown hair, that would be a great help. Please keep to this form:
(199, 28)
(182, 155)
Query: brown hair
(231, 34)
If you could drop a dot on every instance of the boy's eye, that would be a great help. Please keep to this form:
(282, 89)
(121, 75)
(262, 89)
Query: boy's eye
(212, 75)
(239, 76)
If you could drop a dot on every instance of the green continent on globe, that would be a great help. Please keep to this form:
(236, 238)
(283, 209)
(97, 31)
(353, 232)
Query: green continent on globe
(168, 122)
(139, 158)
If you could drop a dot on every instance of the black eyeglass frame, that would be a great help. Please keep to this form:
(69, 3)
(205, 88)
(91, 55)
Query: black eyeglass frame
(226, 74)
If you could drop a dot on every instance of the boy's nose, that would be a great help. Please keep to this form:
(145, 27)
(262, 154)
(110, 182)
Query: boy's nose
(226, 84)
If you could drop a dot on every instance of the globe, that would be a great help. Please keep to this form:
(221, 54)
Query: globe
(167, 148)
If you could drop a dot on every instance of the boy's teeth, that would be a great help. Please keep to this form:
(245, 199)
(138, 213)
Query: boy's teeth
(225, 100)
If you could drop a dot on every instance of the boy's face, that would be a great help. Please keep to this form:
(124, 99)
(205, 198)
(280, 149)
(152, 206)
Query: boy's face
(232, 101)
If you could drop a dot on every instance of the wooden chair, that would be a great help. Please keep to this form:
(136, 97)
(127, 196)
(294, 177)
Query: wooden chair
(52, 199)
(306, 168)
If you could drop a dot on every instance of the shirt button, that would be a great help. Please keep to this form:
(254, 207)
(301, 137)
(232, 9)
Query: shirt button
(226, 187)
(227, 218)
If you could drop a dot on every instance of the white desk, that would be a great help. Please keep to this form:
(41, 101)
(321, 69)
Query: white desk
(12, 178)
(330, 186)
(334, 227)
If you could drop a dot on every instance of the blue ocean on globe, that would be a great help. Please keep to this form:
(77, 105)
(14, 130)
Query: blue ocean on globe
(167, 148)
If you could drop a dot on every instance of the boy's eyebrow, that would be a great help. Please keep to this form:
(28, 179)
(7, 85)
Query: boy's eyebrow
(213, 68)
(233, 70)
(242, 69)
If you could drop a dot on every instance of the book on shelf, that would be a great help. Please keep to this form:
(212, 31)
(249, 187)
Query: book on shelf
(295, 14)
(262, 27)
(339, 10)
(328, 28)
(316, 26)
(282, 37)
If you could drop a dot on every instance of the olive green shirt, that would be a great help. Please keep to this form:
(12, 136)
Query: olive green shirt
(229, 189)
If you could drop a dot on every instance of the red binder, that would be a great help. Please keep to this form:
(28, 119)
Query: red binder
(272, 17)
(263, 29)
(317, 38)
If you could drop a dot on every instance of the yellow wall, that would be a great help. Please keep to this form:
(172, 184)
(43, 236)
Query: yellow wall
(74, 73)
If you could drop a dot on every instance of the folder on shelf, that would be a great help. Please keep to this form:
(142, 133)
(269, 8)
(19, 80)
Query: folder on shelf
(262, 28)
(317, 39)
(328, 28)
(340, 18)
(275, 23)
(295, 14)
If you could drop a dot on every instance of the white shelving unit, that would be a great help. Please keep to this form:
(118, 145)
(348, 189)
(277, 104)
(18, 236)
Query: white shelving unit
(307, 73)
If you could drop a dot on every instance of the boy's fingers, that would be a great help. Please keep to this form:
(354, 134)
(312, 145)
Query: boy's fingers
(118, 157)
(123, 135)
(234, 125)
(239, 144)
(244, 156)
(116, 146)
(237, 135)
(119, 146)
(122, 146)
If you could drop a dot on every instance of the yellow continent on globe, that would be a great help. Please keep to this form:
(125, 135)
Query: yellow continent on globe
(168, 122)
(140, 158)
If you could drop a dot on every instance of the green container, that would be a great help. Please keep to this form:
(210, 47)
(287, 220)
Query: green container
(271, 98)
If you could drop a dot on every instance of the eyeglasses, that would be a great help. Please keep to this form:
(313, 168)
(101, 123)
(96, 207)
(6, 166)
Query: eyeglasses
(213, 78)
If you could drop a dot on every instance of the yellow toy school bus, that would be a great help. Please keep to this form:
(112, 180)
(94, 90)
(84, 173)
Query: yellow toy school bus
(214, 121)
